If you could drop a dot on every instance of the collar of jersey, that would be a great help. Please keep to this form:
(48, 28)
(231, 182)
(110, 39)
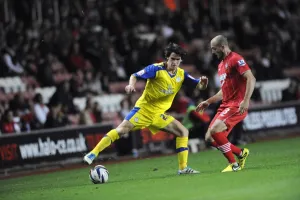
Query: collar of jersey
(227, 55)
(169, 73)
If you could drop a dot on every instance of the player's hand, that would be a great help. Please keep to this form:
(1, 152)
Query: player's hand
(202, 106)
(244, 105)
(129, 89)
(203, 82)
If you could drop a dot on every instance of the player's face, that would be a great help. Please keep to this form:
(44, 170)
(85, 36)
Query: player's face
(217, 50)
(173, 61)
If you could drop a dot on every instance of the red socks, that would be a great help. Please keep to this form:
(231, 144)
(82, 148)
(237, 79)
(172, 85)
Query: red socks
(237, 151)
(225, 146)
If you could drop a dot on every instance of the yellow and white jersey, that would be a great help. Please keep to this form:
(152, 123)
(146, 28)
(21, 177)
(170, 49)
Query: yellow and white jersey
(161, 87)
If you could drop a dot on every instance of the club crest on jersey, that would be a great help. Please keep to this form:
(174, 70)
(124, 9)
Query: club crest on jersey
(136, 119)
(241, 62)
(178, 79)
(141, 72)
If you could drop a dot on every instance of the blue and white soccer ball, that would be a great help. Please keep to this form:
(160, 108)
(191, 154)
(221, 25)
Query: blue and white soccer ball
(99, 174)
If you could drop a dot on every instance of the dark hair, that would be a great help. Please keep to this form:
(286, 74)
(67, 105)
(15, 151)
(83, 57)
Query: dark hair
(174, 48)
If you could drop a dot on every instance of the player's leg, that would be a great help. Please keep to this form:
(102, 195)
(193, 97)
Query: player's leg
(135, 119)
(242, 154)
(235, 150)
(108, 139)
(209, 140)
(218, 132)
(208, 137)
(242, 158)
(176, 128)
(231, 119)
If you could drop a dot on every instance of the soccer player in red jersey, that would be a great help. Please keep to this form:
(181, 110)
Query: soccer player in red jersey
(237, 85)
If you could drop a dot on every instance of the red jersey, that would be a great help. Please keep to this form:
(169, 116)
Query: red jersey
(233, 84)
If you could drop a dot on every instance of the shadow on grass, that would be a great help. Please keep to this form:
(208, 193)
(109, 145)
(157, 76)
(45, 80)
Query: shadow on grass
(173, 175)
(155, 177)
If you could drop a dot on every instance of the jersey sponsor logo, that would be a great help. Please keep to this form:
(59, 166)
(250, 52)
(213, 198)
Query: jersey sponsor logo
(241, 62)
(168, 91)
(222, 78)
(141, 73)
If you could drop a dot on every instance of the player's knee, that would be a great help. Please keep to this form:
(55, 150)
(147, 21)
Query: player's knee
(122, 130)
(214, 130)
(218, 128)
(184, 132)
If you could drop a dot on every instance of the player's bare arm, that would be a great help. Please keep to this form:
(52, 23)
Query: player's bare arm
(217, 97)
(203, 105)
(131, 86)
(249, 90)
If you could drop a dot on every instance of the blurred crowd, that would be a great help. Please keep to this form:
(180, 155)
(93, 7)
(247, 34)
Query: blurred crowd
(82, 46)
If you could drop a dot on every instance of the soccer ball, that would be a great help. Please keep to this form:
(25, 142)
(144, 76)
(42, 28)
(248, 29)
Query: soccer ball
(99, 174)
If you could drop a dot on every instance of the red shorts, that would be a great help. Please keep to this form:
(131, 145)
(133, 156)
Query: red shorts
(230, 116)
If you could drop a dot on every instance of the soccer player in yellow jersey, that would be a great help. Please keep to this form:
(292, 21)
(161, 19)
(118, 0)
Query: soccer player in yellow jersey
(164, 80)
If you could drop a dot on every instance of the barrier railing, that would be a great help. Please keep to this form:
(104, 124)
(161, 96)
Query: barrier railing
(275, 116)
(50, 145)
(63, 143)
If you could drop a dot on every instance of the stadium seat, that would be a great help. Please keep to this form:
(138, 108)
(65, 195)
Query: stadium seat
(80, 102)
(271, 91)
(108, 103)
(12, 85)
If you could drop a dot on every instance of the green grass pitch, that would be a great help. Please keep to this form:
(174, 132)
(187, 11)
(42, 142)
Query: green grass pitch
(272, 172)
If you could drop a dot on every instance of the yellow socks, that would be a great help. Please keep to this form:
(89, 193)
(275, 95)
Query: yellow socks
(181, 147)
(182, 151)
(107, 140)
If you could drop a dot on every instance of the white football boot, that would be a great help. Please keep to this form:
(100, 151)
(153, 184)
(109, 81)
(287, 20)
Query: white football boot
(89, 158)
(188, 170)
